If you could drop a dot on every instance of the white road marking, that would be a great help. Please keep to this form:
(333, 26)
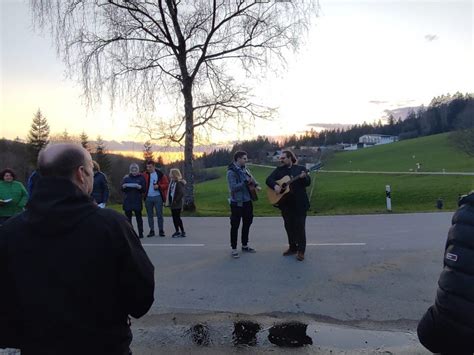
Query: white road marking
(336, 244)
(173, 245)
(201, 245)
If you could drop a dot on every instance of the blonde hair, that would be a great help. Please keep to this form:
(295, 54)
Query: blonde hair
(176, 174)
(96, 165)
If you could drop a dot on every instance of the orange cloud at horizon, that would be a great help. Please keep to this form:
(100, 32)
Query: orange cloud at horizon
(168, 157)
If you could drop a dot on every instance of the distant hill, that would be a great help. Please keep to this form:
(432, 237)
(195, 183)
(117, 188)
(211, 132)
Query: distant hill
(434, 153)
(401, 112)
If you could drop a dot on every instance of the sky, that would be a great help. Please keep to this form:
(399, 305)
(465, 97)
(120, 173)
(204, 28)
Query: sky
(359, 59)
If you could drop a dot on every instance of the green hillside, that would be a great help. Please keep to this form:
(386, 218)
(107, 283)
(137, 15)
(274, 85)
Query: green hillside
(346, 193)
(435, 153)
(365, 193)
(341, 193)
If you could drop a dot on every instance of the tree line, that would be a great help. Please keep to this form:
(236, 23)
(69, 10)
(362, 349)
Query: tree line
(445, 113)
(22, 157)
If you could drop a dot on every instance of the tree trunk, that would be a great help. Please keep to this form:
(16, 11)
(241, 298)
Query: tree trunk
(188, 147)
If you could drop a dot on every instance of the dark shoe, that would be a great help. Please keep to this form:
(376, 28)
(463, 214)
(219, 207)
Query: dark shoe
(247, 249)
(140, 235)
(288, 252)
(151, 234)
(176, 235)
(162, 233)
(183, 234)
(300, 256)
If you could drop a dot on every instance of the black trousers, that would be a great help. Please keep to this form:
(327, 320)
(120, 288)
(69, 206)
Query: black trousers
(138, 217)
(439, 335)
(177, 221)
(295, 226)
(237, 213)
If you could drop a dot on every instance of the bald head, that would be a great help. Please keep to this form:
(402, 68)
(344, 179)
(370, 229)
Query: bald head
(70, 161)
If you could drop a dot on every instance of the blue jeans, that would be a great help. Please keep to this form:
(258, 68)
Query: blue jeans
(157, 203)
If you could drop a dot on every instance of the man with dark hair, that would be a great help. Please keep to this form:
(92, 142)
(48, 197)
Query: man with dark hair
(448, 326)
(294, 204)
(100, 190)
(241, 208)
(71, 273)
(155, 196)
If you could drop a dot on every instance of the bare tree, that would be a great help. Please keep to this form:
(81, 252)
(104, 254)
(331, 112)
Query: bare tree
(148, 152)
(143, 52)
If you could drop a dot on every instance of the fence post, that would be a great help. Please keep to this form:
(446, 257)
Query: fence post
(388, 194)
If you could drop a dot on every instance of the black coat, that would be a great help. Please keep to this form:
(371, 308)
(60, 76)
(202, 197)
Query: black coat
(176, 202)
(100, 191)
(71, 274)
(132, 197)
(455, 296)
(297, 199)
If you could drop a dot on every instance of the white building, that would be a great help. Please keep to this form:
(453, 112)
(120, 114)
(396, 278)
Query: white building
(374, 139)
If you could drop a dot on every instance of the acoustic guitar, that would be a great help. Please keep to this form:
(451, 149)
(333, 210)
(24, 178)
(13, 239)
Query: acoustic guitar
(285, 184)
(252, 185)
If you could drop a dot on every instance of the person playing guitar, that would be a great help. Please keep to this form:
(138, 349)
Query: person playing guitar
(295, 204)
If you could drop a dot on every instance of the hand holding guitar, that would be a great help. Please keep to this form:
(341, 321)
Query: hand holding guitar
(282, 186)
(252, 185)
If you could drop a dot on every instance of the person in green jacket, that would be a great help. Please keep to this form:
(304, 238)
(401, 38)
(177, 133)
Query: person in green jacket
(13, 195)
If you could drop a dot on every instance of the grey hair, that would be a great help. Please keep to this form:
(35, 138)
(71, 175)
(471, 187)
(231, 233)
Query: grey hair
(133, 165)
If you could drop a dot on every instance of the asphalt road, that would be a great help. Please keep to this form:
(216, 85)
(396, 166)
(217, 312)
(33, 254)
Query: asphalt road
(377, 270)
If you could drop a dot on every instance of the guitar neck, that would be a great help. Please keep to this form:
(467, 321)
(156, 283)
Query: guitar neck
(293, 179)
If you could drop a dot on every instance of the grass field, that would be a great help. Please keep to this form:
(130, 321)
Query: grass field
(347, 193)
(335, 193)
(435, 153)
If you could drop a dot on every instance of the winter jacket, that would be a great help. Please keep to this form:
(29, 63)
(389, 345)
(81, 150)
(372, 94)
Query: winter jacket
(163, 183)
(237, 184)
(32, 180)
(15, 191)
(175, 195)
(297, 199)
(133, 187)
(455, 296)
(100, 191)
(71, 274)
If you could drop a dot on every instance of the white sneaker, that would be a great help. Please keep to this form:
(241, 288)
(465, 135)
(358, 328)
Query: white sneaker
(248, 249)
(235, 254)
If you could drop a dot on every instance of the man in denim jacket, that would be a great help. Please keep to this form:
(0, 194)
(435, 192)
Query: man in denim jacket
(240, 200)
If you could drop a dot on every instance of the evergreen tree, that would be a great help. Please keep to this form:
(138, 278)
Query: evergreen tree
(65, 137)
(101, 156)
(38, 136)
(85, 140)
